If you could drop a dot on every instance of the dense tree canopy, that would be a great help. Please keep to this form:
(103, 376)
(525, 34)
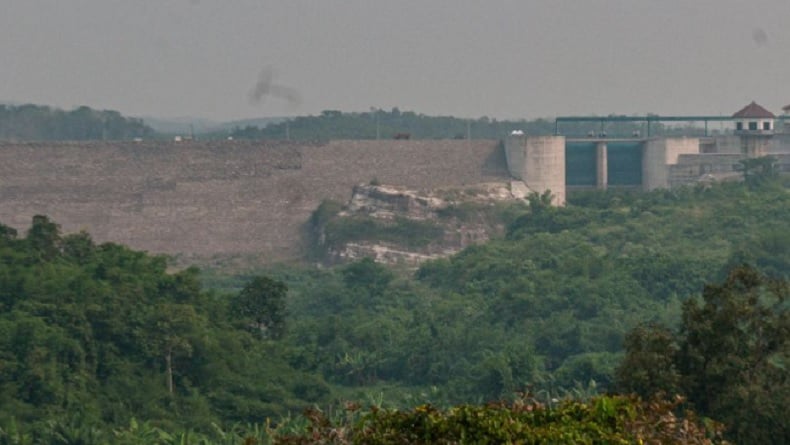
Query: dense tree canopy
(262, 304)
(729, 356)
(383, 124)
(100, 334)
(108, 333)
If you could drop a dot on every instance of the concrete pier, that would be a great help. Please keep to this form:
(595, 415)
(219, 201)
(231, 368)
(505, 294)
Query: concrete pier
(601, 166)
(538, 161)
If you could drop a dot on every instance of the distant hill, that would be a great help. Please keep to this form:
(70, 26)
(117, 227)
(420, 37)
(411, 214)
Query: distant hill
(38, 122)
(200, 126)
(180, 125)
(261, 122)
(382, 124)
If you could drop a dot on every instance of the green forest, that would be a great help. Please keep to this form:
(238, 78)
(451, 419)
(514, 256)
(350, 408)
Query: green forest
(41, 123)
(680, 297)
(383, 124)
(31, 122)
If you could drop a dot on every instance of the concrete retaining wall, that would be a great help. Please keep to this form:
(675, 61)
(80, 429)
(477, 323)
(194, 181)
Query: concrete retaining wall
(660, 155)
(691, 169)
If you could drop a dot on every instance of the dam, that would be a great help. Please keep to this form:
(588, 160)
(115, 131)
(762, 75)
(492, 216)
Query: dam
(206, 199)
(560, 164)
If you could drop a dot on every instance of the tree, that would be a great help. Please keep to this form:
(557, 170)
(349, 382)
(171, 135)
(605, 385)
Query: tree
(540, 201)
(78, 247)
(261, 303)
(7, 233)
(37, 122)
(731, 357)
(735, 350)
(649, 368)
(757, 171)
(368, 275)
(44, 237)
(169, 333)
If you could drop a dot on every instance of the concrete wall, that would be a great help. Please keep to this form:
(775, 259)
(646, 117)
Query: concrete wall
(693, 168)
(218, 198)
(690, 169)
(538, 161)
(660, 155)
(780, 144)
(755, 146)
(515, 155)
(724, 145)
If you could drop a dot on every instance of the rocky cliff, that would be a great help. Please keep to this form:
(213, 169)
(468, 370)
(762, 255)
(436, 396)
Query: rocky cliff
(397, 225)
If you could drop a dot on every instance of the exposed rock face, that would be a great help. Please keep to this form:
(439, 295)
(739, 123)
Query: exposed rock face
(387, 201)
(459, 218)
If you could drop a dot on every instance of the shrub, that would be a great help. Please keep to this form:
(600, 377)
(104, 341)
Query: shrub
(610, 420)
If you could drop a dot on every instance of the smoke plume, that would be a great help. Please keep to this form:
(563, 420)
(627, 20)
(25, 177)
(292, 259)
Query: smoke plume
(265, 87)
(760, 37)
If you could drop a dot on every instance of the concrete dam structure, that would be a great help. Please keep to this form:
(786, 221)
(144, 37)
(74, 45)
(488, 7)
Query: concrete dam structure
(559, 164)
(203, 199)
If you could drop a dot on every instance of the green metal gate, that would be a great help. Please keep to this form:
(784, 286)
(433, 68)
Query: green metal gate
(580, 164)
(624, 163)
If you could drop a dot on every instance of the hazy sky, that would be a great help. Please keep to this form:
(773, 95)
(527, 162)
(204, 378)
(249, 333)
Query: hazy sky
(503, 59)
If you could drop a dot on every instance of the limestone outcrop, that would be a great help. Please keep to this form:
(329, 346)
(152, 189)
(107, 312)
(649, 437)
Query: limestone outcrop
(397, 225)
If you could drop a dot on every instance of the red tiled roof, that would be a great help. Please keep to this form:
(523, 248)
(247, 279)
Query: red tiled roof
(754, 111)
